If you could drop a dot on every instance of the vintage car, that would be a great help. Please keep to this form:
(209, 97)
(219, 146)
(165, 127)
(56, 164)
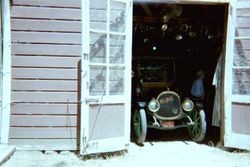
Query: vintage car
(168, 112)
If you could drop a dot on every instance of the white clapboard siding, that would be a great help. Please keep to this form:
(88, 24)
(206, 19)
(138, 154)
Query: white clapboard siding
(44, 61)
(45, 13)
(45, 97)
(42, 132)
(50, 3)
(45, 25)
(46, 49)
(45, 85)
(42, 73)
(43, 120)
(44, 109)
(44, 144)
(46, 52)
(46, 37)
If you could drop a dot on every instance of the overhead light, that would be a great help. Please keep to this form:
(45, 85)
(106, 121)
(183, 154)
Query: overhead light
(178, 37)
(164, 27)
(165, 18)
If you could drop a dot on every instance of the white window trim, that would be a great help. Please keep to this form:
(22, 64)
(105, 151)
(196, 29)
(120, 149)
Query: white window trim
(6, 93)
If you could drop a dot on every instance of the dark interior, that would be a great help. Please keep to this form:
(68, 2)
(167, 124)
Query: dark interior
(171, 42)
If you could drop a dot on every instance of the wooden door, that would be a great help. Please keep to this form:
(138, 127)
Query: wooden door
(237, 77)
(106, 75)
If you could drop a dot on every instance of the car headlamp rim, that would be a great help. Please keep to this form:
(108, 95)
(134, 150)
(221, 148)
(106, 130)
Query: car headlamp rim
(153, 105)
(187, 105)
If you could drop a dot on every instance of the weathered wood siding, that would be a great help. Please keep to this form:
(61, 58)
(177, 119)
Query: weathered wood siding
(46, 50)
(241, 69)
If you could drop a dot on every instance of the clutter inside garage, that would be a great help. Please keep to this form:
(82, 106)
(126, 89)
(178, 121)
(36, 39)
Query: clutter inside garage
(171, 42)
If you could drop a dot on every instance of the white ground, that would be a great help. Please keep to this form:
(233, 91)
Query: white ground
(162, 154)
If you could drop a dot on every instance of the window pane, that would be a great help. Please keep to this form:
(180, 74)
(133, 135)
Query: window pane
(97, 80)
(242, 23)
(117, 16)
(98, 44)
(98, 14)
(116, 85)
(241, 84)
(242, 53)
(117, 44)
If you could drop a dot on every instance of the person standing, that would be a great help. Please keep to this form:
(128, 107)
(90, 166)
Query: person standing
(197, 90)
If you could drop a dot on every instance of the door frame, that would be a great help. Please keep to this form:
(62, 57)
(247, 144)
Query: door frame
(6, 71)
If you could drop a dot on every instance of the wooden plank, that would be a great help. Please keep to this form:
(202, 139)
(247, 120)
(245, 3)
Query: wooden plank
(41, 73)
(42, 120)
(42, 133)
(44, 49)
(45, 13)
(33, 108)
(46, 37)
(50, 3)
(44, 85)
(43, 61)
(44, 144)
(45, 25)
(44, 97)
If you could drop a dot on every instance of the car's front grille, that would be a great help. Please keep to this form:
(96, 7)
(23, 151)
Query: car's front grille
(169, 104)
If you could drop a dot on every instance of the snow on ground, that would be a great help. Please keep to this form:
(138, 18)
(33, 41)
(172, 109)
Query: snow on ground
(171, 154)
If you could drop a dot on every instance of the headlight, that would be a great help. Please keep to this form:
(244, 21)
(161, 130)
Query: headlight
(187, 105)
(153, 105)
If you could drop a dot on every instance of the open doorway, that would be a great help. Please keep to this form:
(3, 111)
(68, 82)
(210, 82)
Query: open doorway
(171, 42)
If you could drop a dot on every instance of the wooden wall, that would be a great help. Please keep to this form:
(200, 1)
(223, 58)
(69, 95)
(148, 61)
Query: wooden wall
(46, 50)
(241, 69)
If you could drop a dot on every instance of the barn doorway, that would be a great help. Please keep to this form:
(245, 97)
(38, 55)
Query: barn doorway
(171, 42)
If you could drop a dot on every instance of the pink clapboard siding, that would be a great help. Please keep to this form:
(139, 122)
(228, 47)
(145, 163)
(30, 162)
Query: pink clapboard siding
(46, 52)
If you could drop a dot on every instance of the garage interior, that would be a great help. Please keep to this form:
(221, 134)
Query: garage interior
(171, 42)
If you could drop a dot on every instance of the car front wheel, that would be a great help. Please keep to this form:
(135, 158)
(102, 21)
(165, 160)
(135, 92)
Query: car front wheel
(197, 131)
(140, 126)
